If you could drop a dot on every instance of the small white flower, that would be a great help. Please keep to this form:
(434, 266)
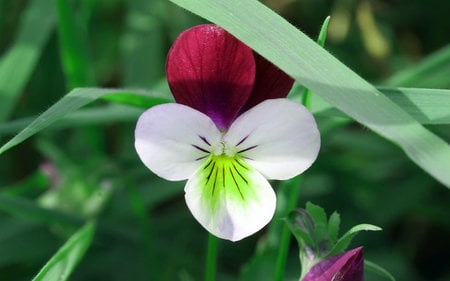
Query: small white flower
(226, 154)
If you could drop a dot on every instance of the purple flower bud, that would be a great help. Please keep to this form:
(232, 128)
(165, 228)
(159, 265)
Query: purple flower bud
(348, 266)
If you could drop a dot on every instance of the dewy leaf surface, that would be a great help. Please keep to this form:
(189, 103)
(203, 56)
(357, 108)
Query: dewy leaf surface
(299, 56)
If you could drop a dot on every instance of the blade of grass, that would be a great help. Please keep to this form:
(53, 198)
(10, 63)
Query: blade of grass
(211, 258)
(61, 265)
(143, 45)
(17, 65)
(427, 106)
(312, 66)
(74, 55)
(378, 270)
(89, 116)
(24, 208)
(68, 104)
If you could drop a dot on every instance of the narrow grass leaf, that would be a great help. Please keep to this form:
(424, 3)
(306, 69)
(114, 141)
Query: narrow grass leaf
(73, 49)
(61, 265)
(312, 66)
(18, 63)
(345, 240)
(431, 72)
(333, 226)
(68, 104)
(27, 209)
(373, 267)
(427, 106)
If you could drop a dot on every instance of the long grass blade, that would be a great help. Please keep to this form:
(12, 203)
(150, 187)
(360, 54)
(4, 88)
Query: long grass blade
(312, 66)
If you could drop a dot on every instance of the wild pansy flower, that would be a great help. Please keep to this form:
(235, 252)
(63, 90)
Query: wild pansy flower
(348, 266)
(231, 129)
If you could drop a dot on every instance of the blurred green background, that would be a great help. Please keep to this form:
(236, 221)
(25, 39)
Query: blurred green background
(86, 167)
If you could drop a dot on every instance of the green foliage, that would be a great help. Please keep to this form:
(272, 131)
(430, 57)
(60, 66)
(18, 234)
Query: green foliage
(18, 63)
(323, 74)
(67, 153)
(60, 266)
(317, 237)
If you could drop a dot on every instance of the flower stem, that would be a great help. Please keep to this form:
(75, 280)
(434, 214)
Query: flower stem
(294, 191)
(211, 258)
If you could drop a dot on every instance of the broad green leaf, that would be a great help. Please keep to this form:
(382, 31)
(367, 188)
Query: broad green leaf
(378, 270)
(18, 62)
(312, 66)
(61, 265)
(345, 240)
(70, 103)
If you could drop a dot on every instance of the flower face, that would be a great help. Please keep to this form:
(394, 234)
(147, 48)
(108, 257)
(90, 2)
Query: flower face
(231, 129)
(348, 266)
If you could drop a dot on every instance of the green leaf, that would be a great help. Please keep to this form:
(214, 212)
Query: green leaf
(70, 103)
(319, 217)
(74, 55)
(333, 227)
(61, 265)
(323, 32)
(431, 72)
(17, 64)
(378, 270)
(312, 66)
(427, 106)
(89, 116)
(345, 240)
(306, 95)
(24, 208)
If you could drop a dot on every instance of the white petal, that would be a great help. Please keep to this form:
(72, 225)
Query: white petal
(229, 198)
(277, 137)
(169, 139)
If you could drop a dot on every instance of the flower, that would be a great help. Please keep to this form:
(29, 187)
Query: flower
(348, 266)
(231, 129)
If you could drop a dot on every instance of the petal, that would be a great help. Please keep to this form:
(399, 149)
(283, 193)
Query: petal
(270, 83)
(277, 137)
(173, 140)
(348, 266)
(210, 70)
(229, 198)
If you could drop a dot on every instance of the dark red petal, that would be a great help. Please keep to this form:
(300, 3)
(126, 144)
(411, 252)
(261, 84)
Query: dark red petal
(270, 83)
(210, 70)
(348, 266)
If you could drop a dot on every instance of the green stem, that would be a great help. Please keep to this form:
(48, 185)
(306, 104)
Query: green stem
(295, 188)
(211, 258)
(294, 192)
